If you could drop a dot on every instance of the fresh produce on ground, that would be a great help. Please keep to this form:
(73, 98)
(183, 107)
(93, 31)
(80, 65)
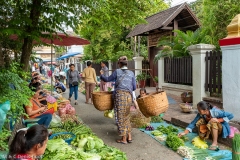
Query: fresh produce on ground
(161, 137)
(236, 147)
(156, 133)
(84, 92)
(111, 153)
(199, 143)
(138, 120)
(58, 149)
(71, 118)
(63, 136)
(200, 154)
(81, 129)
(185, 152)
(57, 130)
(156, 119)
(173, 141)
(149, 128)
(109, 113)
(184, 138)
(4, 136)
(87, 143)
(167, 130)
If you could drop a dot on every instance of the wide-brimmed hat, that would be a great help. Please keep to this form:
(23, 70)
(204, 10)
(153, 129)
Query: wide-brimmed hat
(123, 59)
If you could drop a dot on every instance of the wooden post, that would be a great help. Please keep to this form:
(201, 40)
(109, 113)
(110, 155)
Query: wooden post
(175, 26)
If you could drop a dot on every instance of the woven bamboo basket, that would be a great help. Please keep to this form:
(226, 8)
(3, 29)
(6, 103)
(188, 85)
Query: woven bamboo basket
(186, 109)
(187, 99)
(153, 104)
(102, 100)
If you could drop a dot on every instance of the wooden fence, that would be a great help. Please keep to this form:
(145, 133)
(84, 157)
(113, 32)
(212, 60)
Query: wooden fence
(213, 78)
(178, 70)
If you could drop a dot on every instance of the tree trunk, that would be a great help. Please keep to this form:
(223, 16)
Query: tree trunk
(28, 41)
(1, 57)
(26, 53)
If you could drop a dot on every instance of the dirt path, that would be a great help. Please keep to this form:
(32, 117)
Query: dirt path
(143, 146)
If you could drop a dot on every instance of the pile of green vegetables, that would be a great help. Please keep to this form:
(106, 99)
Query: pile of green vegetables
(85, 146)
(167, 130)
(174, 142)
(156, 119)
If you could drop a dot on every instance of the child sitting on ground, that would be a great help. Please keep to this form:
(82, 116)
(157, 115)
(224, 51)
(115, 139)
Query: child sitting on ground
(143, 93)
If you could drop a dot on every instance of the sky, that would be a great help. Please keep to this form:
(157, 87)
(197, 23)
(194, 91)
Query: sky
(177, 2)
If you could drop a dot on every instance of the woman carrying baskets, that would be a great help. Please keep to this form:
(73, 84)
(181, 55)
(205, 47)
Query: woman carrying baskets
(125, 84)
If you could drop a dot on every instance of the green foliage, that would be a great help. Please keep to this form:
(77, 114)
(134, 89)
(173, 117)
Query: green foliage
(173, 141)
(4, 136)
(177, 46)
(217, 15)
(108, 24)
(19, 96)
(142, 76)
(196, 7)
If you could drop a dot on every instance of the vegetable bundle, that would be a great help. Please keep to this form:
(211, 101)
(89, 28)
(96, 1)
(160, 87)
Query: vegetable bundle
(236, 147)
(167, 130)
(174, 142)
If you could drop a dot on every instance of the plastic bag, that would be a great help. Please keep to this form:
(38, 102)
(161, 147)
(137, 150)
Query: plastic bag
(50, 99)
(233, 130)
(4, 108)
(70, 110)
(55, 120)
(62, 111)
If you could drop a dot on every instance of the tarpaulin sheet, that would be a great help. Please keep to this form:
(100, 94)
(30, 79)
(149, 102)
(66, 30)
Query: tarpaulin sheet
(222, 154)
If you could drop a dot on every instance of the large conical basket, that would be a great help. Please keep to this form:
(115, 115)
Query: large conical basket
(102, 100)
(153, 104)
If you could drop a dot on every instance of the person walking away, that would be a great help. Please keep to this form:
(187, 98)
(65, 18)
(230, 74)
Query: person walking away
(29, 144)
(210, 120)
(56, 72)
(73, 79)
(90, 78)
(44, 70)
(59, 86)
(125, 84)
(104, 85)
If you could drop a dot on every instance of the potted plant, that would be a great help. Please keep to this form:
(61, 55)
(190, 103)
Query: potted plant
(141, 78)
(156, 80)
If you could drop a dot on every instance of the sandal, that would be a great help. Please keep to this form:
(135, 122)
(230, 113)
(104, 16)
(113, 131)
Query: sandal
(121, 141)
(76, 103)
(214, 148)
(129, 141)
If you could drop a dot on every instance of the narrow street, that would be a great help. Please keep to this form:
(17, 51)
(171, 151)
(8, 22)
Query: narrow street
(143, 146)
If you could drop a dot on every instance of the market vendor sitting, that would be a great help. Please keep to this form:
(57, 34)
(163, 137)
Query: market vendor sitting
(34, 84)
(59, 86)
(36, 110)
(210, 120)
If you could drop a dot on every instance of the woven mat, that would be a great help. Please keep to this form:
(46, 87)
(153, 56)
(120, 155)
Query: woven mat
(226, 154)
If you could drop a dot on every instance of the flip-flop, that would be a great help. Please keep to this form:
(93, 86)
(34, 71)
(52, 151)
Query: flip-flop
(120, 141)
(214, 148)
(129, 141)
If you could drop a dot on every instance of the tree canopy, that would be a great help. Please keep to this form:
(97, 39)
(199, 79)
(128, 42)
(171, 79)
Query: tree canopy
(215, 16)
(108, 25)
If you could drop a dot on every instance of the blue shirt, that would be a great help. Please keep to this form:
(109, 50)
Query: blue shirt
(60, 84)
(215, 113)
(124, 80)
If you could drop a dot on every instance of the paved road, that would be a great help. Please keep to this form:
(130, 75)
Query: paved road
(143, 146)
